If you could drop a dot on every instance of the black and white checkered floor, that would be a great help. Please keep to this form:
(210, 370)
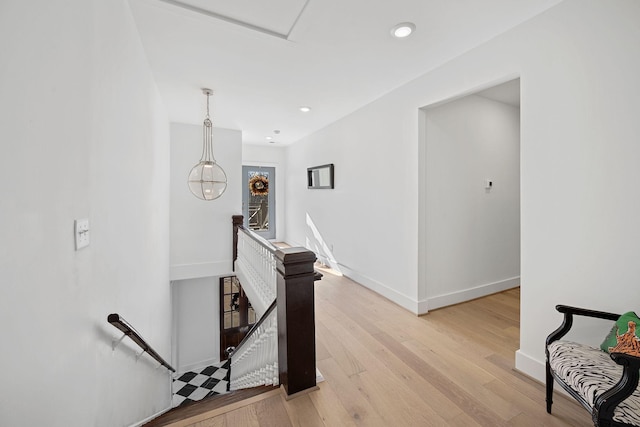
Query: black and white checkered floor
(194, 386)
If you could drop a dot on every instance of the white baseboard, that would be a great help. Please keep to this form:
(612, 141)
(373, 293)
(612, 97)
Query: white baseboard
(530, 366)
(467, 294)
(391, 294)
(205, 269)
(423, 306)
(535, 369)
(146, 420)
(419, 307)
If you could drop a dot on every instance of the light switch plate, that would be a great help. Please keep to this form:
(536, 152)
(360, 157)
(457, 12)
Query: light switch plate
(81, 233)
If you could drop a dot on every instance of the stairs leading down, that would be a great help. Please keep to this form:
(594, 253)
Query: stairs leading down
(193, 412)
(197, 385)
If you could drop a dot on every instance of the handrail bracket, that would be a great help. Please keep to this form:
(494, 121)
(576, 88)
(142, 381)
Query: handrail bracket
(116, 342)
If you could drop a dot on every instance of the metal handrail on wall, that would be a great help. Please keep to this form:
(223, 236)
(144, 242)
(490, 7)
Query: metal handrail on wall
(130, 332)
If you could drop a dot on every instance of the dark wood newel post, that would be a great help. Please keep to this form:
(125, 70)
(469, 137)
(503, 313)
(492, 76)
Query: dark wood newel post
(296, 319)
(237, 223)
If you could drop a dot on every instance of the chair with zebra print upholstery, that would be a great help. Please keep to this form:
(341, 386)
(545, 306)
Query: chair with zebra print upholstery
(605, 384)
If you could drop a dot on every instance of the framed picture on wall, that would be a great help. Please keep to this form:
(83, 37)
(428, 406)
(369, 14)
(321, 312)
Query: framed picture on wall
(319, 177)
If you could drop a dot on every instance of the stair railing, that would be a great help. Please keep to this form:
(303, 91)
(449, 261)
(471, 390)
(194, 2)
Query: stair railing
(291, 320)
(255, 267)
(255, 361)
(129, 331)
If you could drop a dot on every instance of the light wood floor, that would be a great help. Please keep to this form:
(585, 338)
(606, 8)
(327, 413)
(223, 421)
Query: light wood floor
(386, 367)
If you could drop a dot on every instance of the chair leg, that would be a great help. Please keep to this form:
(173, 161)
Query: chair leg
(549, 387)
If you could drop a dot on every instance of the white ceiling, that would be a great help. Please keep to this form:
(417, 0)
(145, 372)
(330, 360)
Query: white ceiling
(265, 59)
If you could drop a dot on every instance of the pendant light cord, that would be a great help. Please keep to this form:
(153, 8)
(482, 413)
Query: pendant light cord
(207, 137)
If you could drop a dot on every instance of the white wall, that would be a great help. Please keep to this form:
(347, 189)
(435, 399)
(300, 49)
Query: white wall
(473, 234)
(201, 243)
(580, 210)
(270, 156)
(84, 135)
(197, 302)
(201, 231)
(364, 223)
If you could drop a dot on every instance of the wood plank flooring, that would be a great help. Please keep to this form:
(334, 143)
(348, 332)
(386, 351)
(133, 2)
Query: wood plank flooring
(386, 367)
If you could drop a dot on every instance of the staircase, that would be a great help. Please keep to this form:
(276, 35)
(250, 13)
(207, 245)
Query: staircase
(278, 353)
(194, 412)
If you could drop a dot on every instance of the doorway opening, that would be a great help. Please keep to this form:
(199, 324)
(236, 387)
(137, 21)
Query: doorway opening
(469, 210)
(258, 200)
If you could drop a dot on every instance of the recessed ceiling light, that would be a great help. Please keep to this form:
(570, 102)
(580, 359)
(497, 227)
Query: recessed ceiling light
(403, 30)
(269, 138)
(305, 109)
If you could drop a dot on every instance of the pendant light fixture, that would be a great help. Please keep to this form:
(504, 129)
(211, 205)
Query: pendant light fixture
(207, 180)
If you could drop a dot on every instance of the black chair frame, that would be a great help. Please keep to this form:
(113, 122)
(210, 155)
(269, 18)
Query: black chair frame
(605, 403)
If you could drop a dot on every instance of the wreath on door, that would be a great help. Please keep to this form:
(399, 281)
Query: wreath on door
(259, 185)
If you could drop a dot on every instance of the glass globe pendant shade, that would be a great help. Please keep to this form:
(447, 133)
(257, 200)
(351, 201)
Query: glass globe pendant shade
(207, 180)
